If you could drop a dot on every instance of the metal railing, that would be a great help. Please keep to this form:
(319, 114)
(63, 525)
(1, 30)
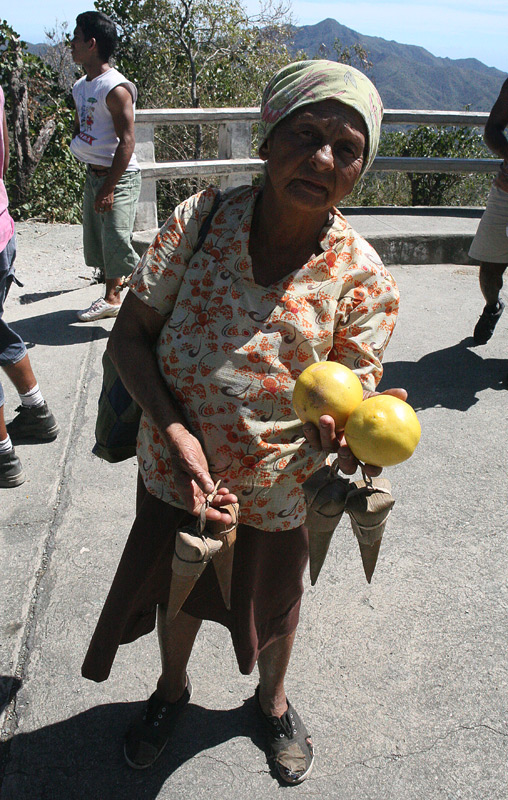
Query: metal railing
(234, 165)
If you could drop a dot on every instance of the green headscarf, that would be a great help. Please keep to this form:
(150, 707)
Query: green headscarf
(305, 82)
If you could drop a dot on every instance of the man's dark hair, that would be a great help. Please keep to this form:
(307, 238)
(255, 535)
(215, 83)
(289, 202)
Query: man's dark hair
(100, 27)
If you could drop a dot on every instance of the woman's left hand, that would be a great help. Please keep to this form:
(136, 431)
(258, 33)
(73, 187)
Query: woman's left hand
(327, 439)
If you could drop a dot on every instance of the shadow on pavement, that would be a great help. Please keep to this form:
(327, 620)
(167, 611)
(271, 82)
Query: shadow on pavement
(82, 757)
(34, 297)
(57, 329)
(449, 378)
(9, 685)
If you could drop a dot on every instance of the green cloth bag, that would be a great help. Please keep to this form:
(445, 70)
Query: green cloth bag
(118, 417)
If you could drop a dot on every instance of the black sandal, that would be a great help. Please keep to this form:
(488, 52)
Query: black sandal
(289, 743)
(146, 739)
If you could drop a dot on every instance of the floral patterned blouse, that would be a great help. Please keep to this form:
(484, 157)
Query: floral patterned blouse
(230, 350)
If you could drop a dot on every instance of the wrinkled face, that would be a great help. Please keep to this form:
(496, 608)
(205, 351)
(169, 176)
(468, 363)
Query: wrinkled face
(315, 155)
(79, 48)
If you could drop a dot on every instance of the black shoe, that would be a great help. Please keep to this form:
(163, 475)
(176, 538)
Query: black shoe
(147, 738)
(33, 422)
(289, 743)
(488, 320)
(11, 471)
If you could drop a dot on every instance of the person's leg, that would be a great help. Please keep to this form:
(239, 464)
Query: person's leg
(118, 254)
(34, 419)
(21, 375)
(112, 297)
(148, 736)
(11, 471)
(290, 745)
(3, 429)
(176, 640)
(107, 242)
(273, 662)
(93, 225)
(491, 283)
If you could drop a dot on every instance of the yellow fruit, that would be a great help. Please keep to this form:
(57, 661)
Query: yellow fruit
(383, 431)
(326, 388)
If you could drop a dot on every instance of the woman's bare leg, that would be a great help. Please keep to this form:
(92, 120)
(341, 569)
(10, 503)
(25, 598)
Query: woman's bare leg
(176, 640)
(273, 663)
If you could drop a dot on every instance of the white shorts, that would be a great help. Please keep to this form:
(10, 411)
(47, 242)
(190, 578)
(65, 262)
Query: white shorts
(491, 241)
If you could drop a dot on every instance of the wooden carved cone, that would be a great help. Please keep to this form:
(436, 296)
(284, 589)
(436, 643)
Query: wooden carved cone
(325, 495)
(223, 559)
(369, 504)
(369, 554)
(192, 553)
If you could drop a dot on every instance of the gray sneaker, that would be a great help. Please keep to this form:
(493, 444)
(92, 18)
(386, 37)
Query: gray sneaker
(33, 422)
(11, 471)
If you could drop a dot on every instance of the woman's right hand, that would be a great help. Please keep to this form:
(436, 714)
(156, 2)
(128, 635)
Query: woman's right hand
(191, 475)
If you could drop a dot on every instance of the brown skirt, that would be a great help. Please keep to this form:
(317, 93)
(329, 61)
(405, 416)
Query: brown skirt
(266, 590)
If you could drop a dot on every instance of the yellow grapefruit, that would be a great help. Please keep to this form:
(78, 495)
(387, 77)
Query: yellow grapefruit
(326, 388)
(383, 430)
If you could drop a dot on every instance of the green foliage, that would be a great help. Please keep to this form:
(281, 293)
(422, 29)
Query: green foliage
(57, 186)
(53, 188)
(196, 53)
(427, 189)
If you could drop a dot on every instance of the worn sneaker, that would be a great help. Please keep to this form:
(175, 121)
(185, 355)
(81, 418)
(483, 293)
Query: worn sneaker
(11, 471)
(146, 739)
(489, 318)
(289, 744)
(98, 310)
(33, 422)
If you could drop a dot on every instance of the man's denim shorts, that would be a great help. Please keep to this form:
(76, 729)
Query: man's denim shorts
(12, 346)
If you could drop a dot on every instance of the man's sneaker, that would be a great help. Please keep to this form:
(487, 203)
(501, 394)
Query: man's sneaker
(11, 471)
(33, 422)
(488, 320)
(98, 310)
(146, 739)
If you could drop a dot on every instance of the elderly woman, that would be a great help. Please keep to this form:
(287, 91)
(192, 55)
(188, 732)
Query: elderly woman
(209, 342)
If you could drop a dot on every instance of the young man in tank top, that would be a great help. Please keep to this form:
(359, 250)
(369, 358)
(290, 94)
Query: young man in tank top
(104, 140)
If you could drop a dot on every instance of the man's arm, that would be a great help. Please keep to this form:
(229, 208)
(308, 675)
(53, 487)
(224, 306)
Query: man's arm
(6, 145)
(119, 102)
(494, 135)
(75, 129)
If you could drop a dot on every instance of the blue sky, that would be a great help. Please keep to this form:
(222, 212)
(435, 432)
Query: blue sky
(453, 28)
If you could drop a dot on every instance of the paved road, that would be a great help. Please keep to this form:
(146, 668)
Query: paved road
(403, 683)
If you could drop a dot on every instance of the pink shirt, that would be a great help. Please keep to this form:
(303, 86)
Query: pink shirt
(6, 221)
(230, 349)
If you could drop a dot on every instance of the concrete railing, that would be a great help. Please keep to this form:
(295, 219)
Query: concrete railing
(234, 165)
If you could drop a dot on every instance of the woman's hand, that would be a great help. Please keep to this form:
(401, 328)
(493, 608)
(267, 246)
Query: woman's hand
(192, 477)
(327, 439)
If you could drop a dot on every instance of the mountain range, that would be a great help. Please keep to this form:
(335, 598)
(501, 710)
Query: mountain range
(408, 76)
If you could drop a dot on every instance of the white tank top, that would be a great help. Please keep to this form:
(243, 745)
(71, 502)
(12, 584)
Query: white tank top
(97, 141)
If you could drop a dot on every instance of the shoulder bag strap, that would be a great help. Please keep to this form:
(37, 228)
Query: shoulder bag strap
(205, 227)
